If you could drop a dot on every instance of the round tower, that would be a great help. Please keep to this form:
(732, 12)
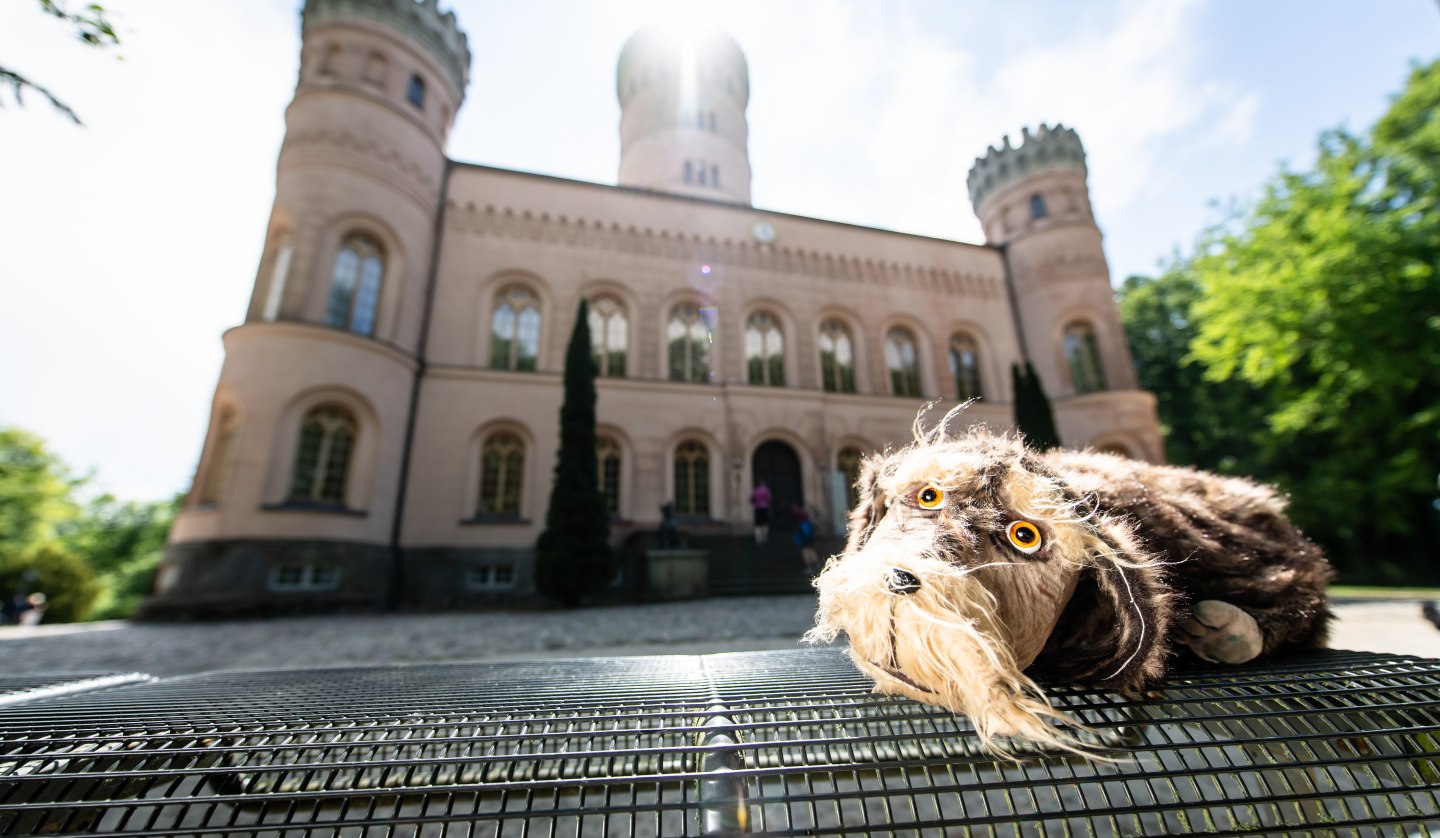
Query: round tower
(295, 494)
(682, 122)
(1033, 202)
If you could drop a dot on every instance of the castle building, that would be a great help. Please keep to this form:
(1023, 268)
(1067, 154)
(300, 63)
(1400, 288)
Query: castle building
(386, 421)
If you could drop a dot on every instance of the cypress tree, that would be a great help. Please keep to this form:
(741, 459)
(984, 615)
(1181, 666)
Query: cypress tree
(1033, 415)
(572, 554)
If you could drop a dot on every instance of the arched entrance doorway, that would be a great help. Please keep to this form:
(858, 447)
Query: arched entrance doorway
(779, 466)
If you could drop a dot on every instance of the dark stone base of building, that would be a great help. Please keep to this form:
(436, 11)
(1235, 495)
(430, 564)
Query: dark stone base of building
(260, 577)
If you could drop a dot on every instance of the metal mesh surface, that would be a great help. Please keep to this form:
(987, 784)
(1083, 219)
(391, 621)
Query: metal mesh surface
(779, 743)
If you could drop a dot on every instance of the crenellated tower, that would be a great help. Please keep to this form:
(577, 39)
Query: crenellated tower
(295, 493)
(682, 123)
(1033, 202)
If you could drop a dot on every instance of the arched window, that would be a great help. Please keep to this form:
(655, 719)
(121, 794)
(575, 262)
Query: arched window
(415, 93)
(837, 358)
(609, 336)
(689, 341)
(903, 362)
(375, 69)
(1083, 355)
(715, 175)
(1037, 206)
(217, 470)
(692, 479)
(689, 171)
(322, 459)
(515, 330)
(607, 457)
(764, 350)
(502, 474)
(847, 462)
(965, 366)
(700, 172)
(355, 285)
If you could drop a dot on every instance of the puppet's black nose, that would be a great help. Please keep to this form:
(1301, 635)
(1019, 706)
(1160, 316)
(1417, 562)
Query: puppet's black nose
(903, 582)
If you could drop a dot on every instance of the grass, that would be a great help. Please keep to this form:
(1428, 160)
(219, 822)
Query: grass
(1365, 592)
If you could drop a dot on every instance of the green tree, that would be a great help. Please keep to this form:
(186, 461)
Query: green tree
(122, 541)
(36, 492)
(67, 580)
(1033, 415)
(1325, 296)
(1216, 425)
(90, 27)
(572, 554)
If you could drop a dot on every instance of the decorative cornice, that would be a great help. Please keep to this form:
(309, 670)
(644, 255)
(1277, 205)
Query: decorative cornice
(421, 182)
(528, 225)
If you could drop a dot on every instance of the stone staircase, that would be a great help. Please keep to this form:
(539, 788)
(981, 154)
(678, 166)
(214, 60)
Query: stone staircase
(740, 567)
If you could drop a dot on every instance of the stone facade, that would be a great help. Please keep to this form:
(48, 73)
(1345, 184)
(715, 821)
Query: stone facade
(394, 390)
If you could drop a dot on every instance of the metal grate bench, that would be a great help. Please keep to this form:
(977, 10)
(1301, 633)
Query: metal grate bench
(781, 743)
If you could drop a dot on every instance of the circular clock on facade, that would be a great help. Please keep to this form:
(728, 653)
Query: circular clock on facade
(764, 232)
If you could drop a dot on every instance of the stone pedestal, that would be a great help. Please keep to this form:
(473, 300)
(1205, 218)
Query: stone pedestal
(678, 574)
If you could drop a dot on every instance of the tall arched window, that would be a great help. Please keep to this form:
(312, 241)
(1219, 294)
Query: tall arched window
(355, 284)
(847, 462)
(903, 362)
(502, 475)
(689, 342)
(515, 330)
(217, 470)
(1037, 206)
(415, 93)
(692, 479)
(965, 366)
(764, 350)
(322, 459)
(837, 358)
(609, 336)
(1083, 356)
(607, 457)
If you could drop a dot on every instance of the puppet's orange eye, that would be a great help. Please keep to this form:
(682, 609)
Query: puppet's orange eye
(930, 497)
(1024, 536)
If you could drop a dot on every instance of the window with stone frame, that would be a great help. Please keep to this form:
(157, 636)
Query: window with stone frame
(903, 361)
(609, 336)
(965, 366)
(217, 468)
(692, 479)
(688, 338)
(415, 92)
(322, 458)
(847, 462)
(837, 357)
(607, 458)
(1082, 355)
(515, 330)
(355, 284)
(764, 350)
(502, 476)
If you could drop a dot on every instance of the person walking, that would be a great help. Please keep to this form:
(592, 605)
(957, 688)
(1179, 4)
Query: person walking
(805, 539)
(760, 500)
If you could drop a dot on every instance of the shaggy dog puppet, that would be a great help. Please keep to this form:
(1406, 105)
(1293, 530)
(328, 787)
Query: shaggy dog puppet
(973, 563)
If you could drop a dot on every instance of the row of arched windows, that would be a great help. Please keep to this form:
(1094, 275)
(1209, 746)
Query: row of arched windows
(515, 342)
(325, 452)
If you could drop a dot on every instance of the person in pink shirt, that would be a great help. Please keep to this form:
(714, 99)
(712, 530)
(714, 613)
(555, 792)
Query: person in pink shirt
(760, 499)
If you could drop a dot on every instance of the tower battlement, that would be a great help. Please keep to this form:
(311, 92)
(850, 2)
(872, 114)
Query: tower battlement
(420, 19)
(1048, 147)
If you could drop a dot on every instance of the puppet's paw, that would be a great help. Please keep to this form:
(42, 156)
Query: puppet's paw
(1222, 633)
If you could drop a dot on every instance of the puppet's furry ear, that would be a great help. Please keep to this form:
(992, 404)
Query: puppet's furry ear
(869, 507)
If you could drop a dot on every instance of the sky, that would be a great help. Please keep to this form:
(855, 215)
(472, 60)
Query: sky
(129, 245)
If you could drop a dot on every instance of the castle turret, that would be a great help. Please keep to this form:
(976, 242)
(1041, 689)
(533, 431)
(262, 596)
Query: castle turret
(295, 494)
(682, 123)
(1033, 202)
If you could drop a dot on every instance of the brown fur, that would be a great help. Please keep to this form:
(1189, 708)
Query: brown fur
(1129, 547)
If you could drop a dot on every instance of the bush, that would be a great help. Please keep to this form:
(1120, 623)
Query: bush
(69, 585)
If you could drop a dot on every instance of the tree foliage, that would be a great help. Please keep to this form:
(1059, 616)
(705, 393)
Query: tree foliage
(572, 554)
(90, 27)
(91, 559)
(1315, 320)
(1033, 416)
